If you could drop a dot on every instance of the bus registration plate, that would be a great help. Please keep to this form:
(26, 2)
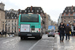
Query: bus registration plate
(29, 34)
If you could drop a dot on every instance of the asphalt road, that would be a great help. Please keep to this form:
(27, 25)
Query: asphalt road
(14, 43)
(46, 43)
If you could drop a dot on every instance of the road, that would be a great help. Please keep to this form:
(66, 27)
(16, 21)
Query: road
(14, 43)
(46, 43)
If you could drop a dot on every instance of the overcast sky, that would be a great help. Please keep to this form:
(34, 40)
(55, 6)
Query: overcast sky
(51, 7)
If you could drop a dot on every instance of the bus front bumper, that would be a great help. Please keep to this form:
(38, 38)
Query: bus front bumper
(29, 34)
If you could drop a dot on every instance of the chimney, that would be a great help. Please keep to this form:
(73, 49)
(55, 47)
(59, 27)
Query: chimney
(72, 8)
(31, 8)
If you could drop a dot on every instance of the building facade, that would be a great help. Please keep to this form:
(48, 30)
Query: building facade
(68, 15)
(47, 21)
(11, 18)
(59, 19)
(2, 17)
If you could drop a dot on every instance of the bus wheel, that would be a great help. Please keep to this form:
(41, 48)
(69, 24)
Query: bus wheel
(25, 37)
(40, 37)
(37, 38)
(22, 38)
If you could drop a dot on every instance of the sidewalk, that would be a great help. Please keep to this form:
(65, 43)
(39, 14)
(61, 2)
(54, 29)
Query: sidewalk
(50, 43)
(66, 45)
(11, 35)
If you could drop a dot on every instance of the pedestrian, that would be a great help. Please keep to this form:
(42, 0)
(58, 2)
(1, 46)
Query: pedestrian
(61, 29)
(73, 29)
(67, 31)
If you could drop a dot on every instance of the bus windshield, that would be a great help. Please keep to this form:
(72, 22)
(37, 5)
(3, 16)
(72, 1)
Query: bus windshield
(29, 18)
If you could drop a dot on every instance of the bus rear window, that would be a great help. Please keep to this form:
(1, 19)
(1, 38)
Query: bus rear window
(29, 18)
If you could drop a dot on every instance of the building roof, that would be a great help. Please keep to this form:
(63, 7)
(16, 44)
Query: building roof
(70, 9)
(2, 4)
(10, 15)
(32, 9)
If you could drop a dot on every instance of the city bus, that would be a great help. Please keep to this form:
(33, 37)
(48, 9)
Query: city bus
(29, 26)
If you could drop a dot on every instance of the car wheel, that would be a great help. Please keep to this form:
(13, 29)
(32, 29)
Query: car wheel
(53, 35)
(48, 36)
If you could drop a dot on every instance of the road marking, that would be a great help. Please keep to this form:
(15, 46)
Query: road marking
(12, 39)
(8, 41)
(34, 45)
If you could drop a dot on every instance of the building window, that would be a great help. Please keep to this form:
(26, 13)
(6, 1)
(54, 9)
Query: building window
(41, 10)
(15, 29)
(73, 10)
(64, 17)
(64, 14)
(69, 14)
(69, 10)
(8, 20)
(74, 21)
(20, 11)
(25, 10)
(12, 20)
(73, 14)
(28, 10)
(74, 17)
(7, 17)
(69, 17)
(64, 21)
(32, 10)
(12, 17)
(65, 10)
(37, 10)
(15, 17)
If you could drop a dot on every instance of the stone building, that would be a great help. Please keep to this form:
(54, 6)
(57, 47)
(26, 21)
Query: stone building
(2, 17)
(47, 21)
(59, 19)
(11, 21)
(68, 15)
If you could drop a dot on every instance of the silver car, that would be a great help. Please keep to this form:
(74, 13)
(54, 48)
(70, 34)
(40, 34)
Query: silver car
(51, 33)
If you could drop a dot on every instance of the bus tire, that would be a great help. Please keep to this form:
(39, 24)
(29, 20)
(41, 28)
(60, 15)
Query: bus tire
(22, 38)
(25, 37)
(40, 37)
(37, 38)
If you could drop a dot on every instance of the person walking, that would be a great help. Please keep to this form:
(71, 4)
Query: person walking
(67, 31)
(73, 29)
(61, 29)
